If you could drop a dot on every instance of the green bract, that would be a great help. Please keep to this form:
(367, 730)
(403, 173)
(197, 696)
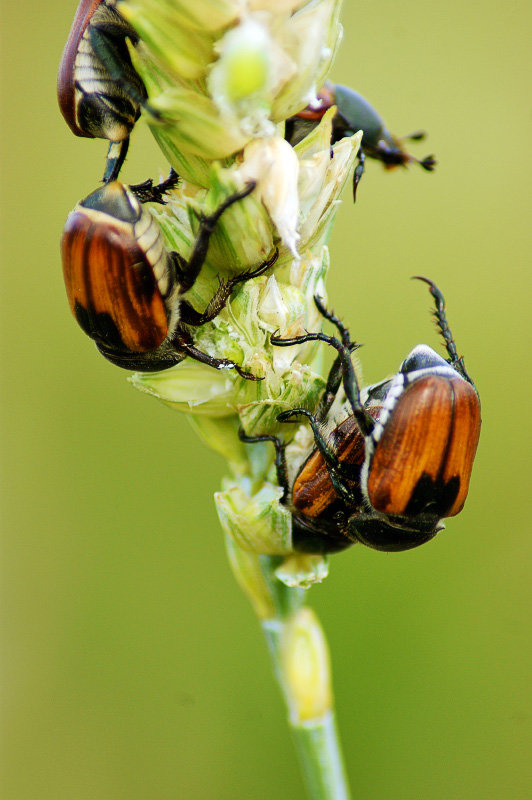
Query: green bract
(255, 521)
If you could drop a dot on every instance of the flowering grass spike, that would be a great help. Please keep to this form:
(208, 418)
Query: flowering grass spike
(223, 76)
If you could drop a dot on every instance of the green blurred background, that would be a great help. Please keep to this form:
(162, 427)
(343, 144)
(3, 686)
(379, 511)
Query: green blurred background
(133, 667)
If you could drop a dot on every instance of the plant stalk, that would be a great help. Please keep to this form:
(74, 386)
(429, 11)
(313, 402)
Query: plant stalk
(317, 740)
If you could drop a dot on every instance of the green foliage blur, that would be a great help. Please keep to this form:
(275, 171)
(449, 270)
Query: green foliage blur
(133, 666)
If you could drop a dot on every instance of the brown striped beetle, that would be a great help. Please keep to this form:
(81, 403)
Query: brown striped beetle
(355, 113)
(398, 465)
(99, 92)
(124, 287)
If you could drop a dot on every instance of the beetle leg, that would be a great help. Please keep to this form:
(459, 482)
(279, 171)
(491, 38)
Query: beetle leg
(335, 467)
(334, 378)
(183, 343)
(190, 269)
(365, 421)
(359, 171)
(280, 459)
(277, 341)
(344, 366)
(389, 156)
(441, 318)
(146, 192)
(331, 316)
(116, 155)
(334, 381)
(190, 316)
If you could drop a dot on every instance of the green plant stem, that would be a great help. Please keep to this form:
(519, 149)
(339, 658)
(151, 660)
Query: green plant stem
(317, 741)
(321, 760)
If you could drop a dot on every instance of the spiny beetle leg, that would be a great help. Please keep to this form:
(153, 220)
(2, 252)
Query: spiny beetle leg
(185, 345)
(331, 316)
(334, 465)
(365, 422)
(441, 319)
(334, 381)
(191, 269)
(429, 163)
(280, 458)
(190, 316)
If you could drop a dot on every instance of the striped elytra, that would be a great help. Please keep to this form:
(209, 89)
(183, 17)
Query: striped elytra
(116, 271)
(313, 492)
(424, 456)
(124, 287)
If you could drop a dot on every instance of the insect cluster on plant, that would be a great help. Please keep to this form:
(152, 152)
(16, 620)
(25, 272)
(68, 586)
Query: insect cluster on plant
(401, 460)
(398, 464)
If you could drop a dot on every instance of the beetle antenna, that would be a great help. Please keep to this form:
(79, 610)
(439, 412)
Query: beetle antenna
(416, 136)
(441, 319)
(147, 192)
(429, 163)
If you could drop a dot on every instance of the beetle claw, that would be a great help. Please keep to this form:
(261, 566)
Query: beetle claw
(248, 376)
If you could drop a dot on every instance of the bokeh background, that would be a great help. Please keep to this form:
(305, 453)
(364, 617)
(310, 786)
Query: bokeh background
(133, 667)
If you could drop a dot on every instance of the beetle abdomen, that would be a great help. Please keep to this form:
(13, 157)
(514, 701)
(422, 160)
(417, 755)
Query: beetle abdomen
(103, 108)
(92, 102)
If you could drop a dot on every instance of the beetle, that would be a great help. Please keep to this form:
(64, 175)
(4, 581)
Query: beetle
(99, 92)
(399, 464)
(125, 288)
(355, 113)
